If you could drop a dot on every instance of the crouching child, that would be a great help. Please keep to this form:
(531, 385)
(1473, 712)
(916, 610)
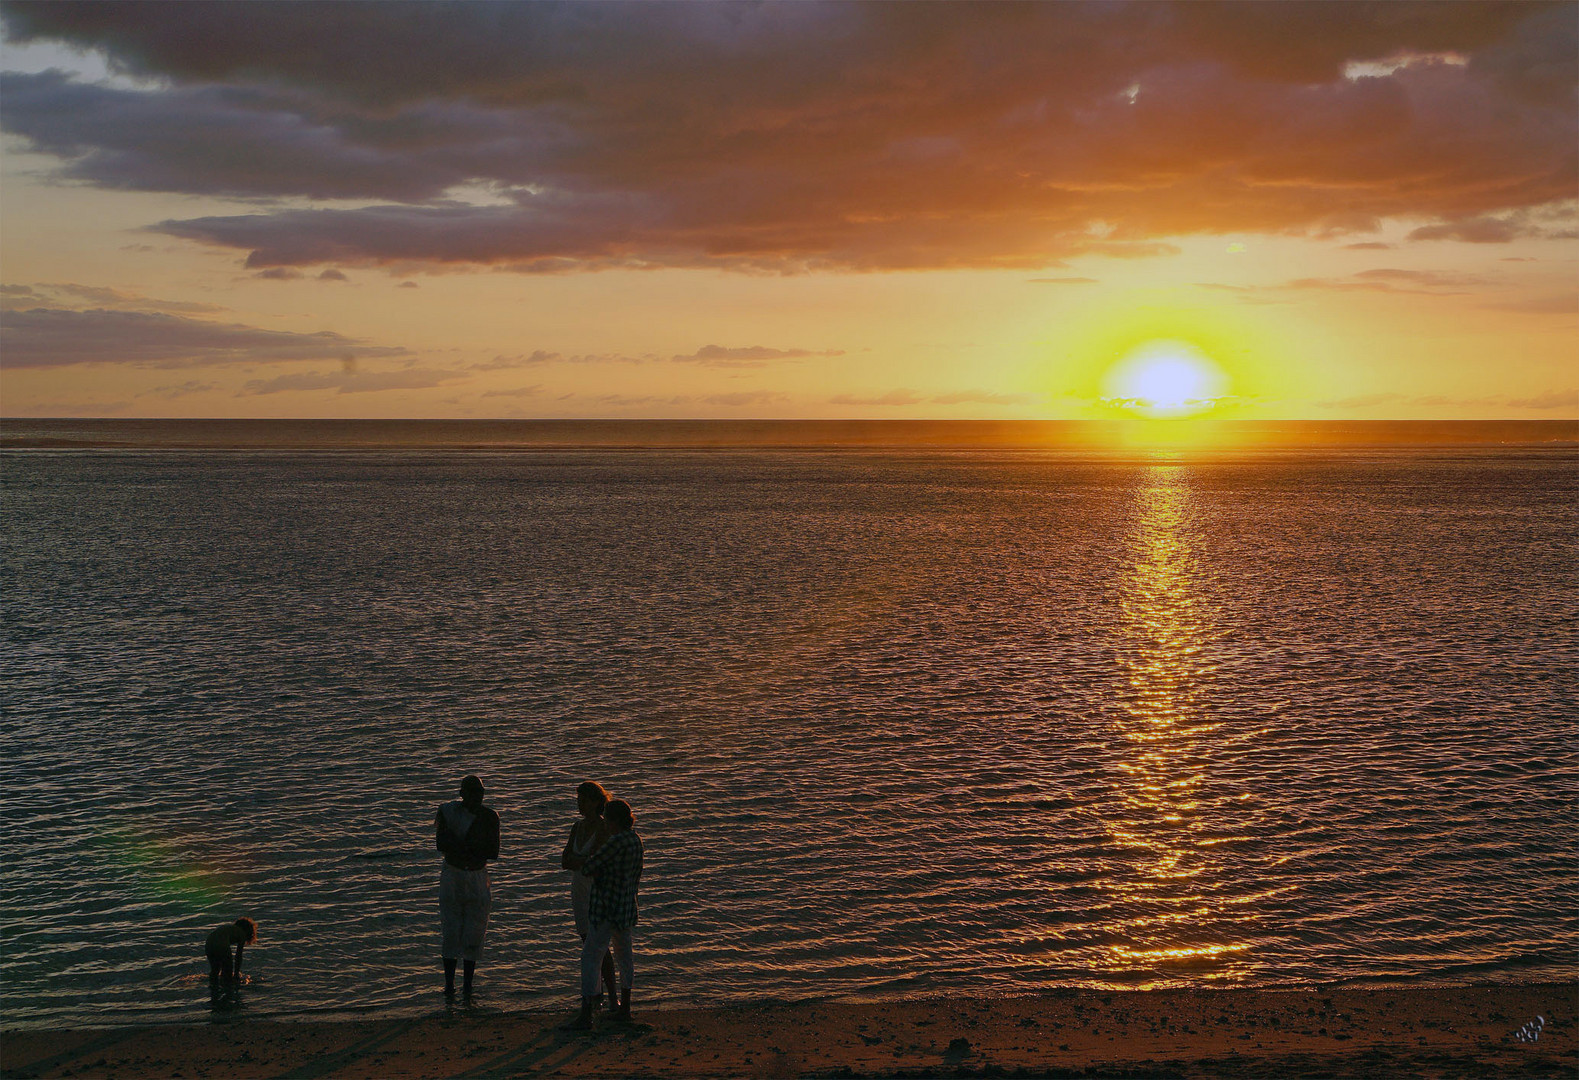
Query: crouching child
(224, 973)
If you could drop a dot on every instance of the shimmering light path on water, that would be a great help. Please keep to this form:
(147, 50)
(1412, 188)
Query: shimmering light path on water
(892, 723)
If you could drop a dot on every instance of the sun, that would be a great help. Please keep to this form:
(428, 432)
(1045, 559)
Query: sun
(1165, 379)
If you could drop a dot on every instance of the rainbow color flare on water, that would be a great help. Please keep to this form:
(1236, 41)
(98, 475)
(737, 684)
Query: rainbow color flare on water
(162, 869)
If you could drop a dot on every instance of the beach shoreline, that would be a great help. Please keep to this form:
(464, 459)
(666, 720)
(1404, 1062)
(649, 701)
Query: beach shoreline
(1428, 1032)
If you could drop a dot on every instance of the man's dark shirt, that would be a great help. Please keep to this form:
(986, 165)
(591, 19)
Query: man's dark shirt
(477, 847)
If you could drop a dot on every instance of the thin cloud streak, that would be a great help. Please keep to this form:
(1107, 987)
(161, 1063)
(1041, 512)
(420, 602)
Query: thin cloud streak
(49, 337)
(1546, 401)
(69, 294)
(903, 397)
(350, 382)
(519, 392)
(747, 356)
(716, 356)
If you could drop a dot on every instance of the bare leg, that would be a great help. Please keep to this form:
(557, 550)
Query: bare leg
(585, 945)
(609, 985)
(469, 969)
(449, 977)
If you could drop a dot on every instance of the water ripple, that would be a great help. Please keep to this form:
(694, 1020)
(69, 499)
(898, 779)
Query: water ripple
(892, 723)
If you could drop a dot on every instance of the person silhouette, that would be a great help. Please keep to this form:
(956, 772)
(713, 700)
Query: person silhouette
(615, 869)
(586, 835)
(224, 975)
(467, 833)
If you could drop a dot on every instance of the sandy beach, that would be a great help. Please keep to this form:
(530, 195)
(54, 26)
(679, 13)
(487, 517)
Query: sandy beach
(1463, 1032)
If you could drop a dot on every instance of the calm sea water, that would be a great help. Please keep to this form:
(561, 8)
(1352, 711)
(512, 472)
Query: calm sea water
(893, 723)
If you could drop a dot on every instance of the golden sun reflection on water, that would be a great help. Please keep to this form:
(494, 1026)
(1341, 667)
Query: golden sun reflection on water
(1171, 918)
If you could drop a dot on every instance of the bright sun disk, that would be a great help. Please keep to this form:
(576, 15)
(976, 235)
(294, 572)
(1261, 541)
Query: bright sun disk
(1165, 379)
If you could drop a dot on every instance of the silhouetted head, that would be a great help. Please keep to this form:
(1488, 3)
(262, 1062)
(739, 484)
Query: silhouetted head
(471, 791)
(591, 798)
(618, 814)
(247, 929)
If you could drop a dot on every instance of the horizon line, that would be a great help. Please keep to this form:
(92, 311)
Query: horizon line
(561, 433)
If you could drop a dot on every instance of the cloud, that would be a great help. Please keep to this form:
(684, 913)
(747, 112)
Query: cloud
(783, 138)
(1480, 230)
(59, 407)
(747, 356)
(504, 363)
(1368, 245)
(893, 397)
(332, 274)
(1550, 304)
(170, 393)
(720, 356)
(518, 392)
(50, 337)
(543, 356)
(350, 382)
(209, 140)
(1434, 279)
(281, 273)
(903, 396)
(734, 399)
(628, 400)
(1062, 281)
(982, 397)
(1550, 399)
(1415, 282)
(1404, 282)
(1362, 401)
(68, 294)
(746, 397)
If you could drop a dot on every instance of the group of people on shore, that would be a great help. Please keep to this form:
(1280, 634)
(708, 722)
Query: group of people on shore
(603, 855)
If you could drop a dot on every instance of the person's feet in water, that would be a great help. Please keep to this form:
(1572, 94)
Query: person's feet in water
(624, 1011)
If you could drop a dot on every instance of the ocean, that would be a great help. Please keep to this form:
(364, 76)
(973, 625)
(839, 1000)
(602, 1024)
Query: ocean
(896, 718)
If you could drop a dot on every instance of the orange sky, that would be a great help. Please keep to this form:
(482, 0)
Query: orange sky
(786, 210)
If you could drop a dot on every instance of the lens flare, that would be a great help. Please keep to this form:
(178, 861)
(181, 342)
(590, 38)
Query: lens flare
(1165, 379)
(161, 870)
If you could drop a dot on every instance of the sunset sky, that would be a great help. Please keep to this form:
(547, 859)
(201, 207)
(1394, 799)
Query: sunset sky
(787, 210)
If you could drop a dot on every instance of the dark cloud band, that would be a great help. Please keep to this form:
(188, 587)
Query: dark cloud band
(787, 137)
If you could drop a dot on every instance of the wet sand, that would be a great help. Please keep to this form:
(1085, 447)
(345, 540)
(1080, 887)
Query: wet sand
(1463, 1032)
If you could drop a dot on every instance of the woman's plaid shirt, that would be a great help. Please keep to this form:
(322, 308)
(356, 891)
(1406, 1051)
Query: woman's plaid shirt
(615, 869)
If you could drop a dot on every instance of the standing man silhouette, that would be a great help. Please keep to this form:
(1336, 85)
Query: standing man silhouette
(467, 832)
